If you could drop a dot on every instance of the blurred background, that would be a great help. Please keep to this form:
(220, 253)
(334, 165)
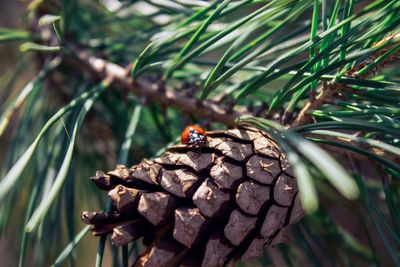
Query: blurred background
(13, 15)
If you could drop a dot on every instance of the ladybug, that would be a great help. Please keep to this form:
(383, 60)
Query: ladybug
(193, 135)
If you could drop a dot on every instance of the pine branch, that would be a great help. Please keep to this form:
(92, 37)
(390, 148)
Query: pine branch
(212, 110)
(328, 91)
(156, 91)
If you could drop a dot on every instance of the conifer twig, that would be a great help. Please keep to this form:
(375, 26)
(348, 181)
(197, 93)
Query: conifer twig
(331, 89)
(152, 91)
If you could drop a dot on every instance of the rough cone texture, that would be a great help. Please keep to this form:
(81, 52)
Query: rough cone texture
(207, 207)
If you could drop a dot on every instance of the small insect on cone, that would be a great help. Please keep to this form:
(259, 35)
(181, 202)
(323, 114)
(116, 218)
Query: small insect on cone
(193, 135)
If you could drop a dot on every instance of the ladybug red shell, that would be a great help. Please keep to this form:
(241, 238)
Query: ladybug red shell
(193, 135)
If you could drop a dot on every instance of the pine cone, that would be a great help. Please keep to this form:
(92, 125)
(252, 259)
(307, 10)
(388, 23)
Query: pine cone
(202, 207)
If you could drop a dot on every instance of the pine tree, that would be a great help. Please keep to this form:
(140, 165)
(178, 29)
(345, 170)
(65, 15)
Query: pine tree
(300, 100)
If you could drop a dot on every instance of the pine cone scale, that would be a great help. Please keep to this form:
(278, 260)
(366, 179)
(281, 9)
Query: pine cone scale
(220, 204)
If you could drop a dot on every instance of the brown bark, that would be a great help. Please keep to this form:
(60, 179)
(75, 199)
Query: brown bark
(144, 87)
